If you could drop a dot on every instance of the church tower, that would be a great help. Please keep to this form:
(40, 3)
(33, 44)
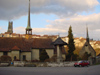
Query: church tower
(10, 28)
(29, 29)
(87, 49)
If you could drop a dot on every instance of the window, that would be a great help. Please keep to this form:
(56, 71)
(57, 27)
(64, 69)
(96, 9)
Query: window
(14, 57)
(4, 53)
(24, 57)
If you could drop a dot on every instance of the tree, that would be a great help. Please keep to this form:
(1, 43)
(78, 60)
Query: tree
(5, 58)
(71, 45)
(43, 56)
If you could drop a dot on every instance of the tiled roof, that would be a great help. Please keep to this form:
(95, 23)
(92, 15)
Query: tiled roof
(42, 43)
(15, 48)
(6, 44)
(59, 41)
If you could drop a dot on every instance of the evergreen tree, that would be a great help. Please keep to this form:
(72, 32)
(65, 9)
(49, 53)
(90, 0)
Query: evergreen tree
(71, 45)
(43, 56)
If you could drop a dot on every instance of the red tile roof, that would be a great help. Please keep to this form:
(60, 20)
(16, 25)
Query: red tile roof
(15, 48)
(6, 44)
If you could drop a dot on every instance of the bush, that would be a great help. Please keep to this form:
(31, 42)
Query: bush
(74, 57)
(43, 56)
(5, 58)
(16, 60)
(35, 60)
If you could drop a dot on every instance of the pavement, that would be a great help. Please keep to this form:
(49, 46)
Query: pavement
(91, 70)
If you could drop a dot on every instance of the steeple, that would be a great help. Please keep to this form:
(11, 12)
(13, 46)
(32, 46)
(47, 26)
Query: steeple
(10, 27)
(87, 38)
(29, 29)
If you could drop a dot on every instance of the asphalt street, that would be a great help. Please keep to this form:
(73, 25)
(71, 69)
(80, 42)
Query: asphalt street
(91, 70)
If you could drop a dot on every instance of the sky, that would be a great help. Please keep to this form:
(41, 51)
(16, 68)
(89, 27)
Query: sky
(52, 17)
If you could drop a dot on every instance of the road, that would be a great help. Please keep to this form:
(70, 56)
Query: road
(91, 70)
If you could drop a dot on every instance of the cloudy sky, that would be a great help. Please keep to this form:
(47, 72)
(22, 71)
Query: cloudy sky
(52, 16)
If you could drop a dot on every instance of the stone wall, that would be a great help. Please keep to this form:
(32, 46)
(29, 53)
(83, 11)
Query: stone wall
(1, 53)
(50, 52)
(35, 54)
(15, 53)
(27, 54)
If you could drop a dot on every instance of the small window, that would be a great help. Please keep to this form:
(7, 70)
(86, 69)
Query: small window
(86, 45)
(14, 57)
(24, 57)
(4, 53)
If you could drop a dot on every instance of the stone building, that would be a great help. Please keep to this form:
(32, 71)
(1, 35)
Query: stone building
(87, 48)
(27, 48)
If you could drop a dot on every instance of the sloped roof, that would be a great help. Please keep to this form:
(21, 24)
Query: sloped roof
(42, 43)
(59, 41)
(23, 44)
(89, 48)
(15, 48)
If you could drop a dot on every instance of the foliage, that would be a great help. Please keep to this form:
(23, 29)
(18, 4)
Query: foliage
(52, 59)
(16, 60)
(35, 60)
(71, 45)
(74, 57)
(77, 50)
(5, 58)
(43, 56)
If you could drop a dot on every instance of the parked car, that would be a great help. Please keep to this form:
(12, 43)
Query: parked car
(82, 63)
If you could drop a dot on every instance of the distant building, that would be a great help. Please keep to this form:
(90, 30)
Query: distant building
(10, 28)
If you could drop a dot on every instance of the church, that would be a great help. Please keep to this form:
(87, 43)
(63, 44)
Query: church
(87, 48)
(27, 48)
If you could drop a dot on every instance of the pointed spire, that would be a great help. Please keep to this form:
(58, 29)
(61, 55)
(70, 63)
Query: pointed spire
(87, 38)
(29, 29)
(28, 24)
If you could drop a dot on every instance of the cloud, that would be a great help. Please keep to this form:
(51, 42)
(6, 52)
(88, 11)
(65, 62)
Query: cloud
(2, 30)
(78, 24)
(39, 31)
(13, 9)
(61, 26)
(19, 30)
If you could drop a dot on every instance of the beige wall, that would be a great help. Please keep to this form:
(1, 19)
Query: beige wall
(15, 53)
(35, 54)
(64, 56)
(9, 54)
(50, 52)
(1, 53)
(27, 54)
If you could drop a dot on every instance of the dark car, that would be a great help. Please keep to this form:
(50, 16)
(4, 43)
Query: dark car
(82, 63)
